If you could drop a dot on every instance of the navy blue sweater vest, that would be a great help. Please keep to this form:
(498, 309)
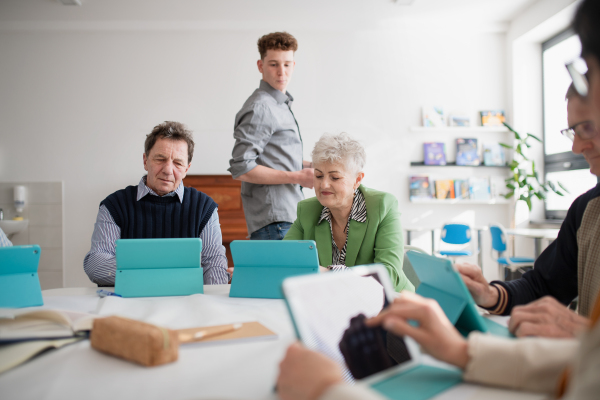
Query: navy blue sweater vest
(159, 217)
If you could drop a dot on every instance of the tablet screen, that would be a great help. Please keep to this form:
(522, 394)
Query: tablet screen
(329, 314)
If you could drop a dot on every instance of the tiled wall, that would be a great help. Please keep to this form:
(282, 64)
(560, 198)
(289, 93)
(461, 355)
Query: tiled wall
(44, 210)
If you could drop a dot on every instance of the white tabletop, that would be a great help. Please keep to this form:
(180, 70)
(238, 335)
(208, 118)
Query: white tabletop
(534, 233)
(244, 370)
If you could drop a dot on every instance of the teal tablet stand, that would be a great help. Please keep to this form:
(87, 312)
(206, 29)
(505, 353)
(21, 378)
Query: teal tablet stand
(439, 281)
(19, 281)
(260, 266)
(158, 267)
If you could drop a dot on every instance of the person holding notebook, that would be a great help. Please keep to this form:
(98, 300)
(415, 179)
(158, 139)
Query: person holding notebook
(351, 224)
(159, 206)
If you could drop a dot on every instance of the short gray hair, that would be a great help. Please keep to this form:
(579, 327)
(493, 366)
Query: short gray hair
(340, 148)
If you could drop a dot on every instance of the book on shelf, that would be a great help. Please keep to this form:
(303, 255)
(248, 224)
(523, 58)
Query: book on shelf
(479, 188)
(434, 153)
(492, 117)
(466, 152)
(433, 116)
(461, 189)
(493, 154)
(459, 120)
(420, 188)
(444, 189)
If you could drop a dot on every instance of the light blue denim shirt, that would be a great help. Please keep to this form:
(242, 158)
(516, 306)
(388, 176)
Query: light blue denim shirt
(266, 133)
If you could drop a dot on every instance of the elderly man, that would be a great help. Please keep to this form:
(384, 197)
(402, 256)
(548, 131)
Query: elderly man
(159, 207)
(567, 268)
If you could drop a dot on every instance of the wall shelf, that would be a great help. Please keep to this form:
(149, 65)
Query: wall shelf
(453, 164)
(459, 129)
(499, 200)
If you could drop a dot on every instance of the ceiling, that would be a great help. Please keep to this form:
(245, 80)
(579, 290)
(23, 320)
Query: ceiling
(261, 13)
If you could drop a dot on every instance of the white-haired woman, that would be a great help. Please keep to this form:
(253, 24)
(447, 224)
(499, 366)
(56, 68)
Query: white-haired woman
(351, 224)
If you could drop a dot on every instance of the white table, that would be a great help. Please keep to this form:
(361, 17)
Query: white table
(537, 234)
(245, 370)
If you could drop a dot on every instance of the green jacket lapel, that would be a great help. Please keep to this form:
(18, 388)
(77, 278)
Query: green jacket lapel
(355, 238)
(324, 247)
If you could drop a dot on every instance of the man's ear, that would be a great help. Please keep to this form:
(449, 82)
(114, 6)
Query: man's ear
(259, 64)
(145, 162)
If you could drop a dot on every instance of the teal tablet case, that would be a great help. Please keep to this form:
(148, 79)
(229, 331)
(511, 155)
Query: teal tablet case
(419, 383)
(439, 281)
(158, 267)
(260, 266)
(19, 281)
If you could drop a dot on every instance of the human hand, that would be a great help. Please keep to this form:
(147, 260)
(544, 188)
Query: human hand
(323, 269)
(546, 317)
(483, 293)
(230, 272)
(435, 332)
(305, 177)
(305, 374)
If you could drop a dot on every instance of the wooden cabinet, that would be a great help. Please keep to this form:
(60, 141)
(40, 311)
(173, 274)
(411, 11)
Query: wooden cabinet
(226, 192)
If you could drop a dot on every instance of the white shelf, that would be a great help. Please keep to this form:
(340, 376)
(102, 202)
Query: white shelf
(500, 200)
(460, 129)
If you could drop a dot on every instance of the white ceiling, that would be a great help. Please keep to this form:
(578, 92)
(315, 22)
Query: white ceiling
(262, 13)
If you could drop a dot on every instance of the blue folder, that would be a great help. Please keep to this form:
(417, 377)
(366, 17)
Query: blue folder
(439, 281)
(260, 266)
(158, 267)
(19, 281)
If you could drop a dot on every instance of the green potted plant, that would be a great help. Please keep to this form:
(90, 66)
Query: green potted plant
(524, 183)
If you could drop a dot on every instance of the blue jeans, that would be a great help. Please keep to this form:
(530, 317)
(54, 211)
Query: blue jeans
(274, 231)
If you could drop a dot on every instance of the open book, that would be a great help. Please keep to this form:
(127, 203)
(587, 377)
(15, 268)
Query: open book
(20, 325)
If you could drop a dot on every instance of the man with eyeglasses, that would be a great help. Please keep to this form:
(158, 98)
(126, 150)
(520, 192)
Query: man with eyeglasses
(568, 268)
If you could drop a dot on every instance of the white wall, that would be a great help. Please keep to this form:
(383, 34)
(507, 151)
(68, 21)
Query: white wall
(75, 104)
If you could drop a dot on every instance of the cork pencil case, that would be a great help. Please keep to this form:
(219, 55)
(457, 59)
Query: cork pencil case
(135, 341)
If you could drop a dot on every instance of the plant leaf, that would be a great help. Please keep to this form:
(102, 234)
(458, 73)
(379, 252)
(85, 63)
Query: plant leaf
(551, 184)
(509, 195)
(535, 137)
(505, 145)
(510, 186)
(562, 187)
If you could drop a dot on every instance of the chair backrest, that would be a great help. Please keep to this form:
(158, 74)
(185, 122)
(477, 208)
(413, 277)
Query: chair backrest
(498, 238)
(456, 233)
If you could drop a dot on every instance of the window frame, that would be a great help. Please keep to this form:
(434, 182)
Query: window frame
(566, 161)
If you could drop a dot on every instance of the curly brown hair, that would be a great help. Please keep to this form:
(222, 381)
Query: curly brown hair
(276, 41)
(170, 130)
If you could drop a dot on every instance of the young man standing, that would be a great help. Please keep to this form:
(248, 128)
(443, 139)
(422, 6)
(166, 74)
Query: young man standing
(267, 155)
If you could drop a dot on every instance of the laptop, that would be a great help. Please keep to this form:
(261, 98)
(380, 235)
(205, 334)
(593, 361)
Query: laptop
(325, 309)
(19, 281)
(439, 281)
(260, 266)
(158, 267)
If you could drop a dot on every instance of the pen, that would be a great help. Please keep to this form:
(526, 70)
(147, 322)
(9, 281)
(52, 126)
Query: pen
(206, 333)
(104, 293)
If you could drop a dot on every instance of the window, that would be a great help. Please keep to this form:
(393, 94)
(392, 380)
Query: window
(560, 164)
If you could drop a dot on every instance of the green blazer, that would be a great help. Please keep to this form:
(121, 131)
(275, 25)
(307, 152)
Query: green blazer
(378, 240)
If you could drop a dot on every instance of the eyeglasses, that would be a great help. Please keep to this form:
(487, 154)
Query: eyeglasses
(585, 130)
(577, 69)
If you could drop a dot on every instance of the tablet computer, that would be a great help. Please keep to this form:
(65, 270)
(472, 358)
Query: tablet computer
(19, 281)
(439, 281)
(158, 267)
(260, 266)
(328, 311)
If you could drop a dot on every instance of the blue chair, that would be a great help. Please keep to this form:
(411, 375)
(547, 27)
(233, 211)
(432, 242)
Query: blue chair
(456, 234)
(502, 246)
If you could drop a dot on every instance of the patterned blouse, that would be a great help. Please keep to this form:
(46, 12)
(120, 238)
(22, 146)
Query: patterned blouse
(357, 213)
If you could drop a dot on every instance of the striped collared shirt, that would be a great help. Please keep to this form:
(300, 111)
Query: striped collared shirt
(358, 212)
(100, 262)
(4, 242)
